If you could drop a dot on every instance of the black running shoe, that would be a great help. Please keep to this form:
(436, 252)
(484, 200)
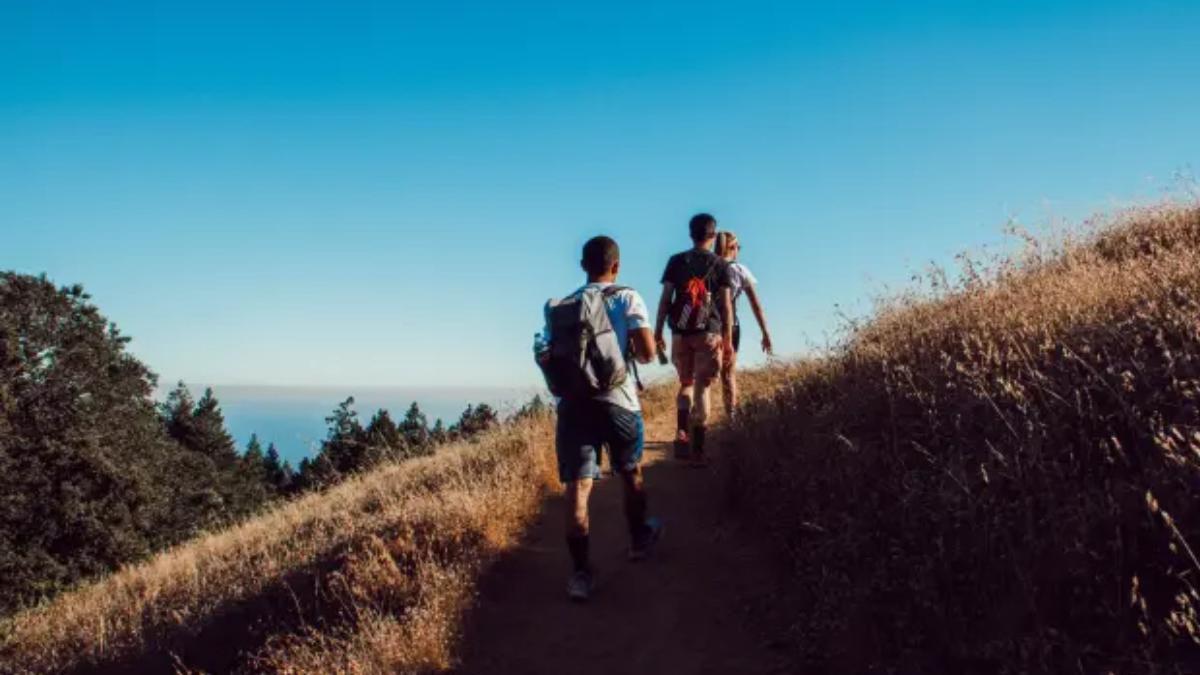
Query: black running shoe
(643, 545)
(579, 586)
(683, 449)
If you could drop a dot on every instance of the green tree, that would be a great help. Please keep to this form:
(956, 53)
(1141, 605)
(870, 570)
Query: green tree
(536, 407)
(438, 435)
(209, 436)
(198, 498)
(255, 486)
(177, 412)
(89, 479)
(225, 484)
(278, 475)
(415, 428)
(476, 420)
(384, 439)
(254, 460)
(317, 473)
(287, 478)
(303, 483)
(345, 445)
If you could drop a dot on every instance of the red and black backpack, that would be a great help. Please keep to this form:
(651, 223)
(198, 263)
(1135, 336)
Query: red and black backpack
(692, 305)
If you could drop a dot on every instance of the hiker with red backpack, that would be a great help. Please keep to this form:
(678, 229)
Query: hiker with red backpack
(696, 299)
(587, 353)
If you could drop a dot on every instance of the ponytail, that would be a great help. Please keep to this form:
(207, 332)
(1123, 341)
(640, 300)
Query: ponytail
(725, 241)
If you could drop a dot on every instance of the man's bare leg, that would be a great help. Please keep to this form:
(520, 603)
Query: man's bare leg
(577, 494)
(635, 501)
(700, 410)
(644, 530)
(708, 367)
(683, 410)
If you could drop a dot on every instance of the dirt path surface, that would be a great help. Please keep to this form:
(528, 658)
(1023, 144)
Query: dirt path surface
(695, 607)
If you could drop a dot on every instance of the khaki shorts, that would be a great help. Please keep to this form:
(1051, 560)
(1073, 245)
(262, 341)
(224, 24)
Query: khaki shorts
(697, 357)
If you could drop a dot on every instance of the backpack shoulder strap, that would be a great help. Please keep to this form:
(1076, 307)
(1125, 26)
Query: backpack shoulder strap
(712, 267)
(626, 350)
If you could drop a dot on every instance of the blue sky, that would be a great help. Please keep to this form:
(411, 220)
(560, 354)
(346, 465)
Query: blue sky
(341, 193)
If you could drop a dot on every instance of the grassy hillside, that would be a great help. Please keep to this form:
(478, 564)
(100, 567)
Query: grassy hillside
(370, 576)
(994, 475)
(1000, 475)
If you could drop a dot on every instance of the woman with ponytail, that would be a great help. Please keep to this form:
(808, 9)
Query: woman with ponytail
(728, 248)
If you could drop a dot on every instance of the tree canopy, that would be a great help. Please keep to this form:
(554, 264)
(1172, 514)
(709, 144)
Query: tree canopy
(95, 474)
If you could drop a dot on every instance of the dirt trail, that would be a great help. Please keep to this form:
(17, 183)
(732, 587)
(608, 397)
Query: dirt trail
(695, 607)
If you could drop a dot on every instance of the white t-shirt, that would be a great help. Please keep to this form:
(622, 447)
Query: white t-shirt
(627, 312)
(739, 278)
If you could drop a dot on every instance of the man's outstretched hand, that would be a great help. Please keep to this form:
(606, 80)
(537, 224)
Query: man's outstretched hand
(767, 347)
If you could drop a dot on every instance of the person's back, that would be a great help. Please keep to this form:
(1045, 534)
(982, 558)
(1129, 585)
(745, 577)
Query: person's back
(590, 331)
(604, 411)
(695, 276)
(741, 278)
(696, 300)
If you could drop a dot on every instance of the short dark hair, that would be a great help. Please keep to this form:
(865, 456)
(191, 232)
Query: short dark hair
(702, 227)
(599, 254)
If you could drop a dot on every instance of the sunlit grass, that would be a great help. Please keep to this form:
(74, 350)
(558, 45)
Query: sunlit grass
(370, 576)
(999, 473)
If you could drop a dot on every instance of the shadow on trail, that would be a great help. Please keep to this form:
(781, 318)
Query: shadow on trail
(690, 609)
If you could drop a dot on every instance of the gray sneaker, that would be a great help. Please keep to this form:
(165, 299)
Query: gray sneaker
(579, 586)
(643, 545)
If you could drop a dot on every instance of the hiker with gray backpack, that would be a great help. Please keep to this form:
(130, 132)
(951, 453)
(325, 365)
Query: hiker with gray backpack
(588, 353)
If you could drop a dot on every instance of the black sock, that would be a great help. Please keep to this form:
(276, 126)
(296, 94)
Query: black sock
(577, 544)
(682, 415)
(635, 516)
(698, 440)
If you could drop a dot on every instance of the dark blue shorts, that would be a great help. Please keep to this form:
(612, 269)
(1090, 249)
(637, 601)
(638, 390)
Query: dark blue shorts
(585, 426)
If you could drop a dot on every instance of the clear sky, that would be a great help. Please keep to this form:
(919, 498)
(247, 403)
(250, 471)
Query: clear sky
(339, 193)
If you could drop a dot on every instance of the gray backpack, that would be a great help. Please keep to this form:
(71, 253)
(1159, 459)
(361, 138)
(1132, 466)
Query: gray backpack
(584, 358)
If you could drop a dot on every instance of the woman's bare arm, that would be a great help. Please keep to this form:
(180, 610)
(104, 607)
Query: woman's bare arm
(756, 305)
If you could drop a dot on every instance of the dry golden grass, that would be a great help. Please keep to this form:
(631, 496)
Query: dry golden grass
(1000, 474)
(371, 576)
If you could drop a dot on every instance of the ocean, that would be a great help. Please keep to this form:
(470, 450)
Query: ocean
(294, 417)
